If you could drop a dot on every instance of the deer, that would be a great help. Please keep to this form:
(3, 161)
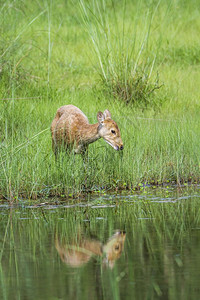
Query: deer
(80, 251)
(71, 130)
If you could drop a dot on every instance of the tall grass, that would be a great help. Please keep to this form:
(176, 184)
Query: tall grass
(125, 64)
(46, 61)
(29, 167)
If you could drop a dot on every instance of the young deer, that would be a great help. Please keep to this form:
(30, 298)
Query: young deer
(81, 249)
(70, 129)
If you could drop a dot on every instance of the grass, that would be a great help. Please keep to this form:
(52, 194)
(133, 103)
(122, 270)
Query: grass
(51, 55)
(125, 65)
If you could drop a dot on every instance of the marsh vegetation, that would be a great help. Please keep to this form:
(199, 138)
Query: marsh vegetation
(139, 59)
(114, 226)
(143, 246)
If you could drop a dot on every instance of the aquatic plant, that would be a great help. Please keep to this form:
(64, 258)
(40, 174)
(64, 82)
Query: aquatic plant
(125, 64)
(46, 62)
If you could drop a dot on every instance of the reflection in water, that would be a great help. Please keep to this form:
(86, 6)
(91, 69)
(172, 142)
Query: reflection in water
(79, 252)
(159, 260)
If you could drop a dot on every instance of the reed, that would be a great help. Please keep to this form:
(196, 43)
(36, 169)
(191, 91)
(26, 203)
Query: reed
(46, 61)
(120, 47)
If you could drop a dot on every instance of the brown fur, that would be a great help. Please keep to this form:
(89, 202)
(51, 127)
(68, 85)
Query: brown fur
(80, 252)
(70, 129)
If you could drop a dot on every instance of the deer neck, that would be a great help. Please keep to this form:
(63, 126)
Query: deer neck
(90, 133)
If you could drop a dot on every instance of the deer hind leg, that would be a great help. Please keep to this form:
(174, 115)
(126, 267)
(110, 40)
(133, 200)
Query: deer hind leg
(55, 149)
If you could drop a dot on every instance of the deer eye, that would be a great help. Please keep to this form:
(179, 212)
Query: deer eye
(117, 247)
(113, 131)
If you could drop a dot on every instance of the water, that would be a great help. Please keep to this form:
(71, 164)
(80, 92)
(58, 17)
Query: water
(144, 246)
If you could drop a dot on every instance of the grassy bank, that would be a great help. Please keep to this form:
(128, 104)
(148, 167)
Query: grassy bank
(52, 55)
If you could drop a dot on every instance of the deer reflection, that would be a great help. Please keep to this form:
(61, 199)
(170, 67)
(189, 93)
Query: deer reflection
(79, 252)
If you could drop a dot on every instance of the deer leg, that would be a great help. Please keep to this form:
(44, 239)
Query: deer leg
(55, 150)
(85, 157)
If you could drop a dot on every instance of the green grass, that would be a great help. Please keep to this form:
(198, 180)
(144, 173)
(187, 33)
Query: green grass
(47, 59)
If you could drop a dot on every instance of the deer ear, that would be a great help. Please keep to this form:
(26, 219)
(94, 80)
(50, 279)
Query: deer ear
(100, 117)
(107, 114)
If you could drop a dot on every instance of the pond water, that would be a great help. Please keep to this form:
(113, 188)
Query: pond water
(136, 246)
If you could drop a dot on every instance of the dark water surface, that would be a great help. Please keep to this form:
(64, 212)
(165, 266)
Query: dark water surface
(144, 246)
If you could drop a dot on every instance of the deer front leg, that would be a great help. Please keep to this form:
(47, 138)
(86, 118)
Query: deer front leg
(84, 154)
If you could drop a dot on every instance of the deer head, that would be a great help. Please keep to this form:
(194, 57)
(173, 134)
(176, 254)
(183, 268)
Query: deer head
(109, 130)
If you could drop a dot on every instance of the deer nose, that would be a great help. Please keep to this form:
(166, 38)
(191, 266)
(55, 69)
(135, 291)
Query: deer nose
(122, 147)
